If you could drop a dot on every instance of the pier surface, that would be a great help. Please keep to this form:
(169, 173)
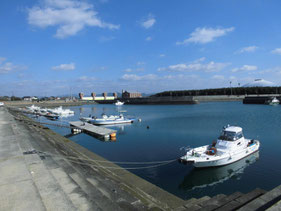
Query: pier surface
(92, 129)
(41, 170)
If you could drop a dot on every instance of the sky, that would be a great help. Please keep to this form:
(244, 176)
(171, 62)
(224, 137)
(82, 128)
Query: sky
(61, 47)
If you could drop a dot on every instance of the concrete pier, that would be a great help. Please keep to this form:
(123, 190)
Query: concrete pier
(37, 174)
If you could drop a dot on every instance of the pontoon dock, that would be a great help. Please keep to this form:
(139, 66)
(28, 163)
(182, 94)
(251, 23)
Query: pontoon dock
(92, 129)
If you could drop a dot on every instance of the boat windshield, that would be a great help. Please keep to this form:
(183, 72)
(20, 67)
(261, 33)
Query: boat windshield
(230, 136)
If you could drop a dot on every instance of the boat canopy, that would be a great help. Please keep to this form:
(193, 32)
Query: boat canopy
(231, 134)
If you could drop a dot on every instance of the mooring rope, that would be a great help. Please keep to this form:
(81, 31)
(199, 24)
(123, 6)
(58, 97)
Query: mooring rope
(104, 161)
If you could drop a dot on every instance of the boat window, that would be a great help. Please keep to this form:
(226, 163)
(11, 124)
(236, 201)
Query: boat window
(228, 136)
(239, 135)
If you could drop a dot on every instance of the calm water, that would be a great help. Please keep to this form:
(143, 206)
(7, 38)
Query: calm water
(172, 127)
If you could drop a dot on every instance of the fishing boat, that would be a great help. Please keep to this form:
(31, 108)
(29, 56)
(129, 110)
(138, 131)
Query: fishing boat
(273, 101)
(118, 103)
(230, 147)
(108, 120)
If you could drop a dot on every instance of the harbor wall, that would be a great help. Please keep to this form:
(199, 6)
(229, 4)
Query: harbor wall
(161, 100)
(258, 99)
(210, 98)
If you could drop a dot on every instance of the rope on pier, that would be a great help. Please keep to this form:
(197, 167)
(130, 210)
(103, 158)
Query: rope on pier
(128, 168)
(100, 163)
(104, 161)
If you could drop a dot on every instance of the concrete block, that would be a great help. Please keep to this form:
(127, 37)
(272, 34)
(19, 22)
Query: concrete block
(13, 170)
(20, 196)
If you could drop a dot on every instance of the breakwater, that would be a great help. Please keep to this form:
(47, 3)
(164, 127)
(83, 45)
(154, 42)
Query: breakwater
(259, 99)
(161, 100)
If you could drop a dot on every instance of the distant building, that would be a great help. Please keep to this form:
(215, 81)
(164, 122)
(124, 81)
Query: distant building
(126, 94)
(95, 97)
(28, 98)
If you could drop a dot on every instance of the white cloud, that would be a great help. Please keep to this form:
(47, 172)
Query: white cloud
(218, 77)
(276, 51)
(148, 39)
(205, 35)
(162, 55)
(70, 16)
(70, 66)
(197, 65)
(245, 68)
(134, 77)
(7, 67)
(148, 22)
(248, 49)
(86, 79)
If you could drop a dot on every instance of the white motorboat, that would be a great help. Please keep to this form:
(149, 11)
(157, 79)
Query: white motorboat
(118, 103)
(61, 111)
(33, 108)
(107, 120)
(273, 101)
(1, 104)
(230, 147)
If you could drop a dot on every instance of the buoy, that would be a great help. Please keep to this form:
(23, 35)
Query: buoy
(113, 138)
(139, 120)
(147, 127)
(112, 135)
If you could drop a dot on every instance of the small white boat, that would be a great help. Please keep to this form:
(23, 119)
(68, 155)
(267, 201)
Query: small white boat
(118, 103)
(107, 120)
(230, 147)
(51, 116)
(61, 111)
(273, 101)
(33, 108)
(1, 104)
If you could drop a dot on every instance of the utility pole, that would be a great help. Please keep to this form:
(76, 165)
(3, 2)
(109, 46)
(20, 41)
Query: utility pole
(230, 87)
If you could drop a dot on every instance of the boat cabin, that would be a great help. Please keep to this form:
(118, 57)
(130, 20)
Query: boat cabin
(231, 134)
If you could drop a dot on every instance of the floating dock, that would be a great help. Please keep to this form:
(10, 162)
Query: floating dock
(93, 130)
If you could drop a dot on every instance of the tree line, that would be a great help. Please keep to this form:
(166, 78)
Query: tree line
(222, 91)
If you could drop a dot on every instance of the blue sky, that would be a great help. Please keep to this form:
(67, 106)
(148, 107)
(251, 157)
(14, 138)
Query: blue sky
(54, 47)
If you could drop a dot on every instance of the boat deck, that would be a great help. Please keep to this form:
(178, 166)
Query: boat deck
(92, 129)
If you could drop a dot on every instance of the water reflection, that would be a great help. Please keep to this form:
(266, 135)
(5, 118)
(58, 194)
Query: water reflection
(81, 110)
(201, 178)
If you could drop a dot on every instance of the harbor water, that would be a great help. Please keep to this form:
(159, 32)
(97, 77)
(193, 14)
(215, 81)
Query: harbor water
(167, 130)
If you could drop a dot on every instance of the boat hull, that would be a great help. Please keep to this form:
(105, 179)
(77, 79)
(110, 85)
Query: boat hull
(114, 122)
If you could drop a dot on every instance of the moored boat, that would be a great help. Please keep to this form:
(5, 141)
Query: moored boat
(118, 103)
(61, 111)
(273, 101)
(107, 120)
(230, 147)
